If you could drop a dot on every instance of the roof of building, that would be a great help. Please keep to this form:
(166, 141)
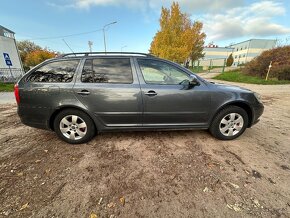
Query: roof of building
(250, 40)
(8, 30)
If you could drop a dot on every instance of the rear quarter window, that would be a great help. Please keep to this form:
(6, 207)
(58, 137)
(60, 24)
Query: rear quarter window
(55, 72)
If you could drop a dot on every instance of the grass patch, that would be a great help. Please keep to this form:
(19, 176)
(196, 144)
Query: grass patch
(237, 76)
(6, 87)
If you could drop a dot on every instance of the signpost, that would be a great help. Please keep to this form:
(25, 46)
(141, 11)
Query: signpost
(8, 62)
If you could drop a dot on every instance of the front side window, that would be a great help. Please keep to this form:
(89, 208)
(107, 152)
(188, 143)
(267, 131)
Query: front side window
(55, 72)
(158, 72)
(107, 70)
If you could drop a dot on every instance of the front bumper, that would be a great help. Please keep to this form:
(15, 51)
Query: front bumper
(257, 112)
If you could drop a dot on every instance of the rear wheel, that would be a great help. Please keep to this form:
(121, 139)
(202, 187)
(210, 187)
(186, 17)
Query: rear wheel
(229, 123)
(74, 126)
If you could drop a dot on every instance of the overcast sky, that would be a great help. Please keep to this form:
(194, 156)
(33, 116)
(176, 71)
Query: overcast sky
(46, 22)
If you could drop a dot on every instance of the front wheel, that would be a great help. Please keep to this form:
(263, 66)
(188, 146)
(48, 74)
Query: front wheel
(229, 123)
(74, 126)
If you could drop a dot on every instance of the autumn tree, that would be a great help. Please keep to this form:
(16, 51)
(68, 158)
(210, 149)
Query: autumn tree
(178, 38)
(25, 47)
(230, 60)
(36, 57)
(32, 54)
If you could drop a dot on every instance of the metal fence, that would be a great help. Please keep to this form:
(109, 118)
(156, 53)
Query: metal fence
(10, 75)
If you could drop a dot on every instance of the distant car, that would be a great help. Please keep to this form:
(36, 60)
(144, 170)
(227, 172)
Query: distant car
(78, 95)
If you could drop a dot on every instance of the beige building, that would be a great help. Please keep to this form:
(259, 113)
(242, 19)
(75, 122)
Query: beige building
(244, 52)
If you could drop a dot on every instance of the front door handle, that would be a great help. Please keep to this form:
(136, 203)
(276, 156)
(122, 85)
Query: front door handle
(151, 93)
(84, 92)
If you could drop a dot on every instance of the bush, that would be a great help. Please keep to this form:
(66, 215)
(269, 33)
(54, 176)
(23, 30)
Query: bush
(230, 60)
(280, 64)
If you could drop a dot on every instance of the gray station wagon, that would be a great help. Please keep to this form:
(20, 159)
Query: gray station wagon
(80, 94)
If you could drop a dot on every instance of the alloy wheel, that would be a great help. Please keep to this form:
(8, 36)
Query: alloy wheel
(231, 124)
(73, 127)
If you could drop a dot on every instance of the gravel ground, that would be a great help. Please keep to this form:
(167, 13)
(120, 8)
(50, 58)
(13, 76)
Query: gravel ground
(149, 174)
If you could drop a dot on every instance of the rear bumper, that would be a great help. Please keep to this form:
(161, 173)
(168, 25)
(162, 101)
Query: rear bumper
(257, 112)
(32, 119)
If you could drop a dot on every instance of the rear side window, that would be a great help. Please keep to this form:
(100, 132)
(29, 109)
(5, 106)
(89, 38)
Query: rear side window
(107, 70)
(55, 72)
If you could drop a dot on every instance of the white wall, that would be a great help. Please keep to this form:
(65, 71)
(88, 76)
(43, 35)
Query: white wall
(7, 45)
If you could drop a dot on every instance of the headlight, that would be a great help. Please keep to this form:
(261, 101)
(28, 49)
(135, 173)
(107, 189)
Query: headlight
(258, 97)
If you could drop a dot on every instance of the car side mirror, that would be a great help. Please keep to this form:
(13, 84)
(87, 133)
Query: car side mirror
(194, 82)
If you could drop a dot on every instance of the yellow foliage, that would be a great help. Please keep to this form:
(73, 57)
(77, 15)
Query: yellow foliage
(178, 38)
(37, 56)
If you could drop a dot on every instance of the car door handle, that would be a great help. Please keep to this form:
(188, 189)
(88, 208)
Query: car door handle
(151, 93)
(84, 92)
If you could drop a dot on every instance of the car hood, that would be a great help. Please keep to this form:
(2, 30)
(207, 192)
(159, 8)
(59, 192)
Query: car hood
(232, 88)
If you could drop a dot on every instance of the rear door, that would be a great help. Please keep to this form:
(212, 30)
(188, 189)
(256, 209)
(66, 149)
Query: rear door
(166, 101)
(109, 88)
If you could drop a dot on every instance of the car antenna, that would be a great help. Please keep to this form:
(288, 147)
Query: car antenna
(69, 47)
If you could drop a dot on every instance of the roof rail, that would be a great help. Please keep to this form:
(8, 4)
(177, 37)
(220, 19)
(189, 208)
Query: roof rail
(86, 54)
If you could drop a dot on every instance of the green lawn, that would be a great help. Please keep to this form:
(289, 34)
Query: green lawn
(6, 87)
(237, 76)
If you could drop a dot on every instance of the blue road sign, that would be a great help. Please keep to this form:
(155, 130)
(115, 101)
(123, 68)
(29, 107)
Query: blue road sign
(8, 63)
(7, 59)
(6, 56)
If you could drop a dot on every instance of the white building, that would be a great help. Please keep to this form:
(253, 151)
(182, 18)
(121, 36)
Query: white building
(10, 63)
(244, 52)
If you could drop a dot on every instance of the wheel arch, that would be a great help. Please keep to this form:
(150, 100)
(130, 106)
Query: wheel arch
(241, 104)
(58, 110)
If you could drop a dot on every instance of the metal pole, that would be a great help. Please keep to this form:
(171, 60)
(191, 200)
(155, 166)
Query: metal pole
(104, 35)
(11, 72)
(268, 70)
(224, 65)
(123, 47)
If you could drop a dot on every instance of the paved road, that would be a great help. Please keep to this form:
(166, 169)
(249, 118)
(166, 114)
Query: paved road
(7, 97)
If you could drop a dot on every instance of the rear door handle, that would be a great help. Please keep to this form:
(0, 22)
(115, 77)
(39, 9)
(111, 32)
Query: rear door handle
(84, 92)
(151, 93)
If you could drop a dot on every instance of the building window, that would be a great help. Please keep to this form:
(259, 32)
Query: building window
(236, 56)
(244, 55)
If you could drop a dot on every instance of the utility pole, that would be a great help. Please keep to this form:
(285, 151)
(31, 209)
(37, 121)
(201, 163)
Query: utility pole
(123, 47)
(104, 34)
(90, 43)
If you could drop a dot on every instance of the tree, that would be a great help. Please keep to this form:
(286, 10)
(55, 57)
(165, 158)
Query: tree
(230, 60)
(178, 38)
(36, 57)
(25, 47)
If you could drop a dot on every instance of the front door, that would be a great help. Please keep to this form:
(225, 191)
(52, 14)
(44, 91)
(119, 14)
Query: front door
(109, 88)
(166, 101)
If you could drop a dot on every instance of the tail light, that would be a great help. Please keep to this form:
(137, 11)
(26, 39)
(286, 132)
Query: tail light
(16, 93)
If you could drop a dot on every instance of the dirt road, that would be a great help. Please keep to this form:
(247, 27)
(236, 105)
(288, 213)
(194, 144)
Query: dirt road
(149, 174)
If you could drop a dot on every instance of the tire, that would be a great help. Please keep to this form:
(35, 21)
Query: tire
(229, 123)
(74, 126)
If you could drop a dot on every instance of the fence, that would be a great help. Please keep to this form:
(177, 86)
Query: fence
(10, 75)
(209, 64)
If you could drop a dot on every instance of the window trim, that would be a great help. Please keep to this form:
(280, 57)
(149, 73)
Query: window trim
(163, 61)
(92, 58)
(49, 62)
